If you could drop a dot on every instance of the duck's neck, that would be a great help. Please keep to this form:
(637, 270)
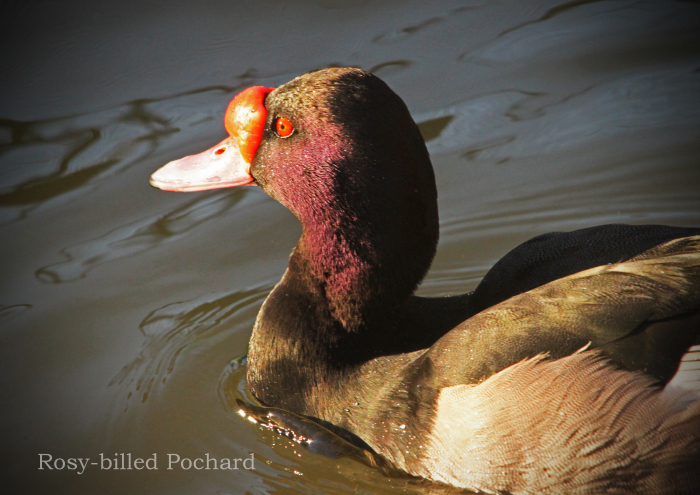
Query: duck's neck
(359, 179)
(360, 274)
(340, 301)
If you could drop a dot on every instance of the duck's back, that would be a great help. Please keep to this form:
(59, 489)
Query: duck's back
(555, 255)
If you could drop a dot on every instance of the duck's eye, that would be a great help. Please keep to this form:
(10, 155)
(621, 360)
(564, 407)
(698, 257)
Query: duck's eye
(220, 151)
(284, 127)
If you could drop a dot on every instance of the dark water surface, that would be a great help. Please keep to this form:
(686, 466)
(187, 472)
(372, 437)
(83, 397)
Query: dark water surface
(122, 306)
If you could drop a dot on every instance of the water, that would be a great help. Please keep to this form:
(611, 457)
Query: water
(123, 306)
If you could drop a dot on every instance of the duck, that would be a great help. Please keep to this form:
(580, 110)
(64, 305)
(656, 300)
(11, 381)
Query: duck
(550, 377)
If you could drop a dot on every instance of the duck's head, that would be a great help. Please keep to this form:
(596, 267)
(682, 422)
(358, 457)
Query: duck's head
(325, 136)
(340, 150)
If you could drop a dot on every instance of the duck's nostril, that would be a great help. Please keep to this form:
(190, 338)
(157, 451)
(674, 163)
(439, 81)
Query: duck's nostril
(220, 151)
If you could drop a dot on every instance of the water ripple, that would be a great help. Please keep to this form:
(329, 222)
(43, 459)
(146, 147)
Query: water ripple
(9, 313)
(170, 329)
(431, 22)
(487, 125)
(136, 237)
(45, 159)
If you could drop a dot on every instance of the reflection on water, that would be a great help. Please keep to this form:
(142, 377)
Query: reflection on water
(122, 306)
(8, 313)
(431, 22)
(487, 125)
(39, 165)
(431, 129)
(138, 236)
(386, 69)
(48, 158)
(170, 329)
(553, 12)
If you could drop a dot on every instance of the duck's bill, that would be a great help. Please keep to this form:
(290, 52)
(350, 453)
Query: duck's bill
(220, 166)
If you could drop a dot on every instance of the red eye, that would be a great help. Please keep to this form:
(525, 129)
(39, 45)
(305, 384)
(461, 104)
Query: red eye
(220, 151)
(284, 127)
